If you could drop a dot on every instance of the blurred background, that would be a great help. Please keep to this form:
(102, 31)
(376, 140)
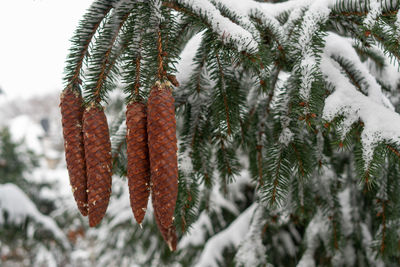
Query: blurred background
(39, 223)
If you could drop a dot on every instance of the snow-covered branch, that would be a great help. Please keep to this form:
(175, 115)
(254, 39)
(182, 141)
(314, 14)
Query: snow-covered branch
(16, 207)
(231, 236)
(380, 122)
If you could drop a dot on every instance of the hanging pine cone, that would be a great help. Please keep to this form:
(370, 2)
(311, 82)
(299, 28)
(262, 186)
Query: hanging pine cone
(168, 233)
(71, 114)
(138, 159)
(161, 129)
(98, 162)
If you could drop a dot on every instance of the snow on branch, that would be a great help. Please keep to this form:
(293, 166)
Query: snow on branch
(232, 235)
(198, 233)
(275, 9)
(16, 204)
(185, 65)
(317, 230)
(224, 27)
(341, 47)
(380, 123)
(375, 11)
(397, 24)
(251, 251)
(203, 227)
(118, 138)
(240, 14)
(317, 13)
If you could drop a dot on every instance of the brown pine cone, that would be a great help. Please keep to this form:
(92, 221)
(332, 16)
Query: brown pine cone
(71, 118)
(138, 159)
(161, 129)
(168, 234)
(98, 162)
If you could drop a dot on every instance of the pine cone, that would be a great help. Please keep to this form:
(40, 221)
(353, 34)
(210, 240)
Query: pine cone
(98, 162)
(138, 159)
(161, 129)
(71, 114)
(168, 234)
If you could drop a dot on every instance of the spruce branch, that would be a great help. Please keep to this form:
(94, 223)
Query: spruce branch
(106, 64)
(382, 214)
(393, 150)
(352, 73)
(264, 79)
(87, 28)
(223, 92)
(137, 69)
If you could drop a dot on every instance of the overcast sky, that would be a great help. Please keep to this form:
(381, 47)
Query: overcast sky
(34, 42)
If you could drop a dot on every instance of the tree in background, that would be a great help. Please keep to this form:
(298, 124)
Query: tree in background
(27, 234)
(288, 128)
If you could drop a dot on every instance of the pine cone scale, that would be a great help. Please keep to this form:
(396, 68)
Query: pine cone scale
(98, 162)
(71, 113)
(162, 151)
(168, 233)
(138, 169)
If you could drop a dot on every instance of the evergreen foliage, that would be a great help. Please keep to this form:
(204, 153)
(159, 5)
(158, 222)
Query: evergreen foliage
(288, 130)
(27, 234)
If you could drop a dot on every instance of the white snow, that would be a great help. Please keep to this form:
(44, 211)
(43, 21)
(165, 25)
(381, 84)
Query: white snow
(185, 65)
(116, 138)
(251, 251)
(347, 212)
(198, 233)
(380, 122)
(286, 136)
(185, 162)
(240, 11)
(367, 243)
(373, 14)
(397, 24)
(22, 128)
(341, 47)
(389, 76)
(307, 70)
(45, 257)
(218, 201)
(316, 229)
(18, 207)
(231, 236)
(316, 14)
(227, 30)
(293, 17)
(275, 9)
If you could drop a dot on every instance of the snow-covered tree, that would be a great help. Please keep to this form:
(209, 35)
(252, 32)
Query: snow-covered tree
(28, 234)
(287, 123)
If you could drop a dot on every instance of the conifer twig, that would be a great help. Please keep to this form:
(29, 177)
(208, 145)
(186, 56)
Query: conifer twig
(223, 91)
(383, 215)
(137, 68)
(361, 14)
(276, 180)
(395, 151)
(259, 163)
(179, 8)
(299, 159)
(103, 72)
(77, 70)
